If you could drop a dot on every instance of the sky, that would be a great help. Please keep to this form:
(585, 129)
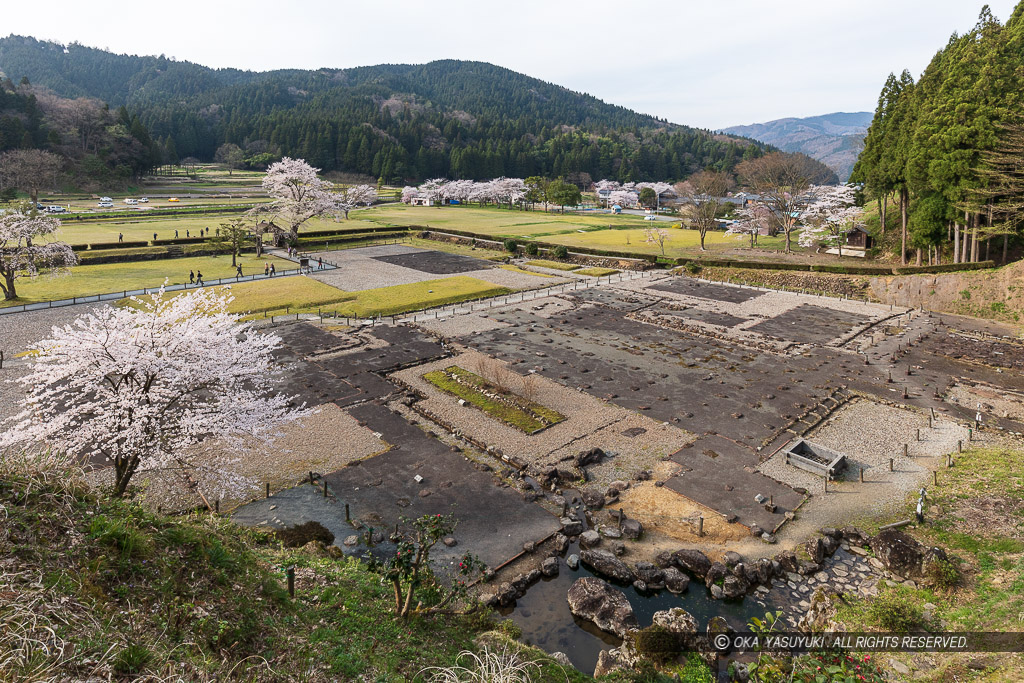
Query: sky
(695, 62)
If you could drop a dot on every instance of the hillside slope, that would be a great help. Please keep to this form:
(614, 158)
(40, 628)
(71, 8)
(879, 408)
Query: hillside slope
(395, 121)
(834, 139)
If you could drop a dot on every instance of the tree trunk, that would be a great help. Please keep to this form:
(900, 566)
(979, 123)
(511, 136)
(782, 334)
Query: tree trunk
(917, 258)
(963, 244)
(10, 294)
(974, 241)
(904, 198)
(956, 243)
(885, 205)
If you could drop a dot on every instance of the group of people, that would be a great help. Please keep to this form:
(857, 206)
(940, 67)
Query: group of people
(196, 277)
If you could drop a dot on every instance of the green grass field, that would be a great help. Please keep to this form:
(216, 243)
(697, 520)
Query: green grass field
(416, 296)
(680, 242)
(553, 265)
(112, 277)
(596, 272)
(514, 410)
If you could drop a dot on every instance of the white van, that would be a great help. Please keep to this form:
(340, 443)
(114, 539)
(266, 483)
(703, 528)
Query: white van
(55, 208)
(105, 205)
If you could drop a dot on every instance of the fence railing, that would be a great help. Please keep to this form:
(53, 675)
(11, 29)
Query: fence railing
(125, 293)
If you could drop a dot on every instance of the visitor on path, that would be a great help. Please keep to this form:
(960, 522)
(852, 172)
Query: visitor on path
(120, 237)
(154, 237)
(175, 233)
(191, 277)
(187, 234)
(266, 269)
(199, 278)
(319, 264)
(238, 270)
(273, 270)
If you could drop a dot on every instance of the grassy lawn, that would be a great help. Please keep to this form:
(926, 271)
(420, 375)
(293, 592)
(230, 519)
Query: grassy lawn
(493, 221)
(596, 272)
(461, 249)
(112, 277)
(416, 296)
(512, 409)
(553, 265)
(680, 242)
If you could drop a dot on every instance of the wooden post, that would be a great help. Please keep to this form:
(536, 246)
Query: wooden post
(890, 464)
(325, 488)
(905, 450)
(620, 519)
(825, 482)
(268, 489)
(347, 517)
(771, 500)
(311, 482)
(918, 433)
(960, 446)
(935, 477)
(862, 475)
(216, 506)
(700, 526)
(290, 573)
(970, 434)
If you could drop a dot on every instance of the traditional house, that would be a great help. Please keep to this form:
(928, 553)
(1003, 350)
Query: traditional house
(859, 238)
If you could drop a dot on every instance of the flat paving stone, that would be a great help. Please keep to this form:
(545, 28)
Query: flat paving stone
(436, 262)
(707, 290)
(493, 522)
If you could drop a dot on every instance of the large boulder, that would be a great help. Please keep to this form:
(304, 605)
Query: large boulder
(821, 614)
(549, 567)
(675, 580)
(716, 574)
(652, 577)
(605, 563)
(676, 620)
(787, 559)
(693, 561)
(632, 529)
(815, 549)
(590, 538)
(584, 458)
(898, 552)
(596, 601)
(854, 536)
(592, 498)
(734, 587)
(571, 527)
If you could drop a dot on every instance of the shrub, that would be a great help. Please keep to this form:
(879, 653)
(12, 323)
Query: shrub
(944, 573)
(531, 249)
(897, 609)
(132, 659)
(657, 643)
(560, 252)
(301, 534)
(692, 267)
(511, 246)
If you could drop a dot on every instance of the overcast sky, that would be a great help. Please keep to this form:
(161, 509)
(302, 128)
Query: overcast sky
(704, 63)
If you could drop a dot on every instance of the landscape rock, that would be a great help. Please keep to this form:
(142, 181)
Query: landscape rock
(561, 658)
(549, 567)
(598, 602)
(898, 552)
(589, 539)
(617, 547)
(732, 558)
(450, 542)
(604, 563)
(592, 498)
(571, 527)
(675, 580)
(507, 594)
(821, 613)
(611, 532)
(606, 664)
(787, 559)
(652, 577)
(573, 561)
(632, 529)
(815, 550)
(693, 561)
(663, 559)
(589, 457)
(560, 542)
(854, 536)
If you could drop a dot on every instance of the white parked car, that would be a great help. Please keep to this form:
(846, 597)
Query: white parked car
(55, 208)
(144, 200)
(106, 199)
(650, 218)
(105, 205)
(131, 202)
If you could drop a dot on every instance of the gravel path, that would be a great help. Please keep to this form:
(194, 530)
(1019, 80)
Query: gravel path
(18, 331)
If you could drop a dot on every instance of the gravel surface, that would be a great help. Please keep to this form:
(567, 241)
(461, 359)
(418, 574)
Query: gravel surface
(589, 422)
(323, 442)
(18, 331)
(869, 434)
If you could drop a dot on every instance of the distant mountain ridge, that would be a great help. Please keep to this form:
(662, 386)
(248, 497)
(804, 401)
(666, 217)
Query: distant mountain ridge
(396, 122)
(833, 139)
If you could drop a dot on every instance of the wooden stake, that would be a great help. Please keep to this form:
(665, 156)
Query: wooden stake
(890, 464)
(268, 489)
(700, 525)
(960, 446)
(905, 450)
(347, 518)
(935, 477)
(216, 506)
(862, 475)
(290, 573)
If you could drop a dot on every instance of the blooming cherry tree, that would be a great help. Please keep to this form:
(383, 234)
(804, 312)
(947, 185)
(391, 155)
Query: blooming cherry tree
(298, 195)
(753, 220)
(830, 216)
(409, 193)
(28, 248)
(624, 198)
(357, 195)
(139, 384)
(433, 189)
(656, 236)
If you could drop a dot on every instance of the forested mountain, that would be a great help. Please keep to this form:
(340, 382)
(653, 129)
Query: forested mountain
(833, 139)
(948, 149)
(97, 145)
(448, 118)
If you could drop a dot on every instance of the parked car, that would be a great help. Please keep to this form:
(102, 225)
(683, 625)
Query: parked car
(106, 199)
(650, 218)
(130, 202)
(105, 205)
(173, 199)
(55, 208)
(144, 200)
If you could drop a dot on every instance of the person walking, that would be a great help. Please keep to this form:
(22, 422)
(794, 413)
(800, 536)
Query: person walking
(120, 237)
(199, 278)
(273, 270)
(319, 264)
(154, 237)
(188, 234)
(191, 277)
(238, 270)
(266, 269)
(175, 233)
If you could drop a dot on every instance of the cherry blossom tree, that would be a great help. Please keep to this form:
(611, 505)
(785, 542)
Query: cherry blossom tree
(458, 190)
(830, 216)
(357, 195)
(298, 195)
(624, 198)
(753, 220)
(508, 190)
(409, 193)
(433, 189)
(28, 248)
(656, 236)
(139, 384)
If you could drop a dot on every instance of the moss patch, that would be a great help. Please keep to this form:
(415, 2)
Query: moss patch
(501, 404)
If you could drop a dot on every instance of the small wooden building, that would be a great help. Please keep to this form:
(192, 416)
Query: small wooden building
(859, 238)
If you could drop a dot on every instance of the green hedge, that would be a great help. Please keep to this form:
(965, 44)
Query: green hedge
(944, 268)
(147, 254)
(850, 269)
(183, 240)
(97, 246)
(343, 231)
